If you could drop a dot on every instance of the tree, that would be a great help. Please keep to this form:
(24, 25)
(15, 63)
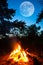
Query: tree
(40, 17)
(5, 27)
(19, 26)
(33, 30)
(6, 14)
(41, 33)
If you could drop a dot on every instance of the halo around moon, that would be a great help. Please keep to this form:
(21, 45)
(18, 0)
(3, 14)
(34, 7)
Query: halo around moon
(26, 9)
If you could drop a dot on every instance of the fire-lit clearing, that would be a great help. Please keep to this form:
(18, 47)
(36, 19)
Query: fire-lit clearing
(19, 55)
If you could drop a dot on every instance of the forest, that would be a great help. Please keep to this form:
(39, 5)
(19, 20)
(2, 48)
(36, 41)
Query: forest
(30, 36)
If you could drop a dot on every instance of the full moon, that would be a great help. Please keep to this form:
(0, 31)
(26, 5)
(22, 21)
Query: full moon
(26, 9)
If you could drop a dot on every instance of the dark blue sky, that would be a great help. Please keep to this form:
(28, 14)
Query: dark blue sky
(15, 4)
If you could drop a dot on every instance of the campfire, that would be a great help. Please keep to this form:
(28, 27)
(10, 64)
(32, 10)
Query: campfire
(19, 55)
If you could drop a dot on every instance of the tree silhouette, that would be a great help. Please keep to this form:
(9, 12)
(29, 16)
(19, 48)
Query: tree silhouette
(6, 14)
(33, 30)
(40, 17)
(20, 26)
(41, 35)
(5, 27)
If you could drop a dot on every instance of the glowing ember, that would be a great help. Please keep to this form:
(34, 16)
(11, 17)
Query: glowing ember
(19, 55)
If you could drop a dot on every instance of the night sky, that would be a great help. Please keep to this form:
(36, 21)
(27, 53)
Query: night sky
(15, 4)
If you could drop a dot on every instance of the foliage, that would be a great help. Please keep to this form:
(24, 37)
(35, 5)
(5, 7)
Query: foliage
(18, 27)
(40, 17)
(5, 15)
(33, 30)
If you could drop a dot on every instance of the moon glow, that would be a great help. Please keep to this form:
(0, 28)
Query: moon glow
(26, 9)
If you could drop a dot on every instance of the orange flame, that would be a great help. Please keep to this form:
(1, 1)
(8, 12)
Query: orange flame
(19, 55)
